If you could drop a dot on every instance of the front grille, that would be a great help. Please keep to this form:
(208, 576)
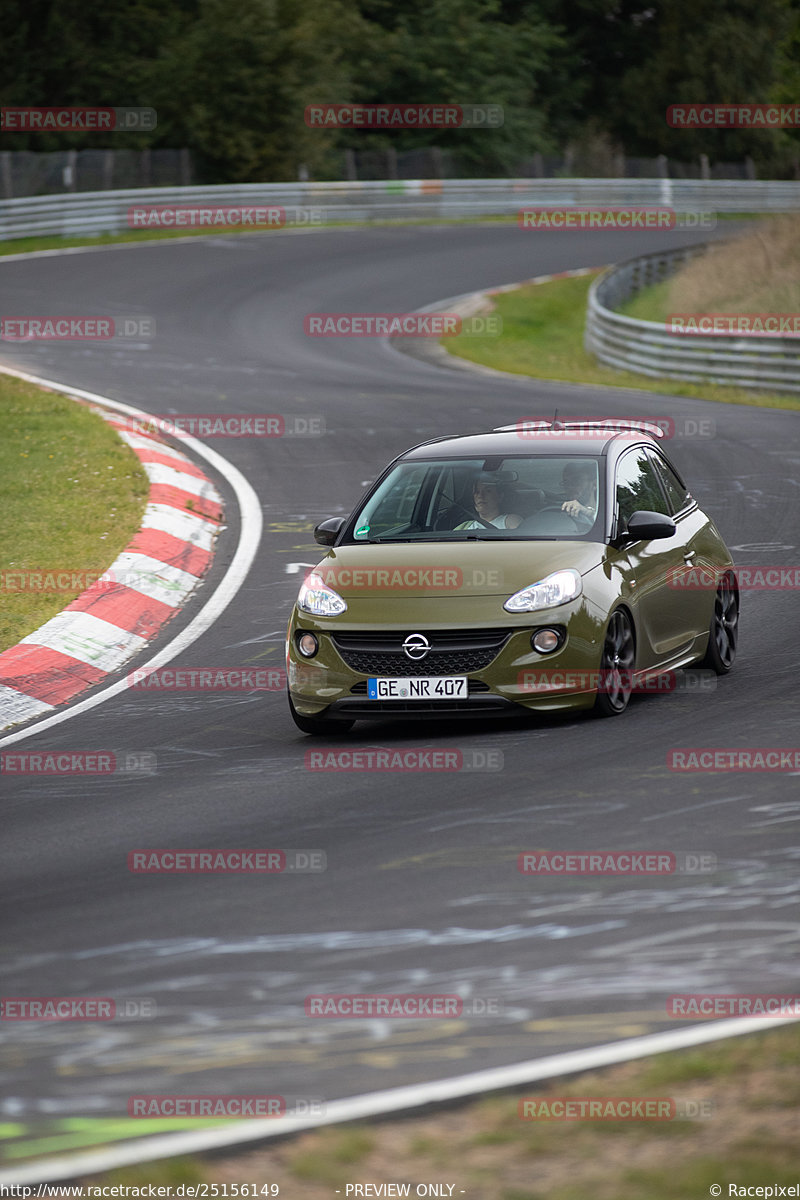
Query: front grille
(452, 652)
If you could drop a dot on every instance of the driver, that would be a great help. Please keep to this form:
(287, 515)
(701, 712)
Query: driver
(579, 484)
(488, 499)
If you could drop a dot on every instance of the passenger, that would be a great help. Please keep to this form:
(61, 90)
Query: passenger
(488, 500)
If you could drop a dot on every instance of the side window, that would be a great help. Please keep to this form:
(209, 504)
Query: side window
(677, 494)
(638, 486)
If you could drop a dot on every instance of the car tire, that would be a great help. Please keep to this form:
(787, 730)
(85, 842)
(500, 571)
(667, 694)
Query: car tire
(318, 725)
(619, 655)
(723, 632)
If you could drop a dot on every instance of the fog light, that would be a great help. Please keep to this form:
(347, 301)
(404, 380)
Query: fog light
(307, 644)
(545, 641)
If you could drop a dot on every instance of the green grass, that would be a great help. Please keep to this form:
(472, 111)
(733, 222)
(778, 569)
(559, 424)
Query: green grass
(71, 492)
(335, 1151)
(543, 337)
(651, 304)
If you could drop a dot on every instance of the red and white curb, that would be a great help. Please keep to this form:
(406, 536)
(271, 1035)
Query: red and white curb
(145, 586)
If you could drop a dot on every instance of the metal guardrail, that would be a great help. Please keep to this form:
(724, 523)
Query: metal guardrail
(82, 213)
(629, 344)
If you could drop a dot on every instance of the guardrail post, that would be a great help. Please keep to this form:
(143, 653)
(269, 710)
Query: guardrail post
(69, 171)
(5, 173)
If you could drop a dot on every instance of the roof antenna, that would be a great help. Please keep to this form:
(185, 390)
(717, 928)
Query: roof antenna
(556, 423)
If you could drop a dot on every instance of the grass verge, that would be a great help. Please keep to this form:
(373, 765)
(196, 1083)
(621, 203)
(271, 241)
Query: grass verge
(72, 495)
(543, 337)
(749, 1137)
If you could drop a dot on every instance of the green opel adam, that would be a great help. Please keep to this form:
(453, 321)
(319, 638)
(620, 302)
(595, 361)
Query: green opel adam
(538, 566)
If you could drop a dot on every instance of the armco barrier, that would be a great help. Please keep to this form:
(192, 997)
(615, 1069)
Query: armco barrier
(766, 363)
(81, 213)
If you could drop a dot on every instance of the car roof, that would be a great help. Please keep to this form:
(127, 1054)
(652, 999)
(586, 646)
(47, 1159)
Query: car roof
(540, 437)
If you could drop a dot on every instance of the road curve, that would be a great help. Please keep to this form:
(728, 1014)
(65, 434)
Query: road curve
(421, 890)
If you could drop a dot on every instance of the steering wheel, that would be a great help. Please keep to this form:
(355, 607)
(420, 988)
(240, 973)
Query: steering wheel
(555, 508)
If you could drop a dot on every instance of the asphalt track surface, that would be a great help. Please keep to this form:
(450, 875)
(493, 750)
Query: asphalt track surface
(421, 891)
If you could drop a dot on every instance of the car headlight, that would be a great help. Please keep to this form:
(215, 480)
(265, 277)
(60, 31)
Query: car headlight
(316, 598)
(556, 589)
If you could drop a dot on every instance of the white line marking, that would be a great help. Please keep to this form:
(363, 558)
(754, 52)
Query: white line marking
(394, 1100)
(249, 538)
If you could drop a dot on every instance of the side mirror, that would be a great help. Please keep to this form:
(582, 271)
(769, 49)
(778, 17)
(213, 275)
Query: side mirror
(645, 526)
(326, 533)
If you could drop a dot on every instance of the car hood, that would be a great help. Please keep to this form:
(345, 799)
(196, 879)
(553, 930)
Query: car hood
(451, 569)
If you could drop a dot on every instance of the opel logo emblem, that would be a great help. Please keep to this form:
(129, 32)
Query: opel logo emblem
(416, 646)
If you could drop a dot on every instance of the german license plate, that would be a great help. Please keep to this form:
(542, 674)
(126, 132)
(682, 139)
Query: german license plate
(423, 687)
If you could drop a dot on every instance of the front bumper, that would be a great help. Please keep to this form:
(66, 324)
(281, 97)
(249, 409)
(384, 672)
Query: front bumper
(500, 684)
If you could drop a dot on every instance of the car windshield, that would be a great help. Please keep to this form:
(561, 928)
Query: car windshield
(463, 499)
